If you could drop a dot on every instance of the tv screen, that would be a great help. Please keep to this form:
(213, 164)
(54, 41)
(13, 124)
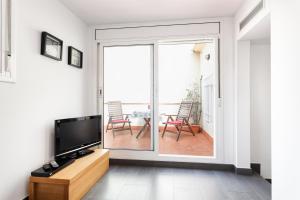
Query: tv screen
(76, 134)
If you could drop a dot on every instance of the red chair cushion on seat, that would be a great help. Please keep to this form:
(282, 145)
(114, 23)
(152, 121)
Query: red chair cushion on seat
(176, 122)
(120, 121)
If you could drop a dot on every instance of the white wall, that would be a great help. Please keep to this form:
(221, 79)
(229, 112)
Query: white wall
(178, 71)
(257, 27)
(260, 127)
(45, 90)
(227, 90)
(242, 95)
(208, 87)
(285, 82)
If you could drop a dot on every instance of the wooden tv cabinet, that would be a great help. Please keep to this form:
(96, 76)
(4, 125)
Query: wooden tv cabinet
(72, 182)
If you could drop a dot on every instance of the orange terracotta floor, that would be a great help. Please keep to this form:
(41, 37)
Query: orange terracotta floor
(198, 145)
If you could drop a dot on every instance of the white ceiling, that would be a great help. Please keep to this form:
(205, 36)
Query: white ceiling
(131, 11)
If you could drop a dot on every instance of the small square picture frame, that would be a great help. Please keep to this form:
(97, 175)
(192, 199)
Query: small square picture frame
(51, 46)
(75, 57)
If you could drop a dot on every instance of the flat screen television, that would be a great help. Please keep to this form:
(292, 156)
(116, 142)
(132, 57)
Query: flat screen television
(76, 134)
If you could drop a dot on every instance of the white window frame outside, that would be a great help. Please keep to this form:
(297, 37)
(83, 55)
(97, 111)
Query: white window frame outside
(155, 155)
(7, 50)
(153, 34)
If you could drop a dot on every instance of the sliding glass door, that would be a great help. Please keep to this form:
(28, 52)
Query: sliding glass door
(187, 74)
(127, 86)
(161, 97)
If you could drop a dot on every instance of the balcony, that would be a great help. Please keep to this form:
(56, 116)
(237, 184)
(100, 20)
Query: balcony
(185, 71)
(199, 145)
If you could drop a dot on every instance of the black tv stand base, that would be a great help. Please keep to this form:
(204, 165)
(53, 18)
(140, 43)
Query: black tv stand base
(41, 172)
(75, 155)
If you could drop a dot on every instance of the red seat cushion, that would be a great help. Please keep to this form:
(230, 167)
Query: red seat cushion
(176, 122)
(120, 121)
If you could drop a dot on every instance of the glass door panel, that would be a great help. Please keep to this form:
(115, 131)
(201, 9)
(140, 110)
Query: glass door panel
(127, 97)
(186, 97)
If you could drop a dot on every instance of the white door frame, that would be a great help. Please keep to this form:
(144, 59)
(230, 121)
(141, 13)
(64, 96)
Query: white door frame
(154, 155)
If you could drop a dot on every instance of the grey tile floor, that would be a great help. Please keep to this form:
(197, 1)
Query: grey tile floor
(153, 183)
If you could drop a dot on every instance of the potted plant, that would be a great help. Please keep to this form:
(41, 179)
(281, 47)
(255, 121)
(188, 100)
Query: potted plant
(194, 94)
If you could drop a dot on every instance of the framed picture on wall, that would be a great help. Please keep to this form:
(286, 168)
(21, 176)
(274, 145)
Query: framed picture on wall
(75, 57)
(51, 47)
